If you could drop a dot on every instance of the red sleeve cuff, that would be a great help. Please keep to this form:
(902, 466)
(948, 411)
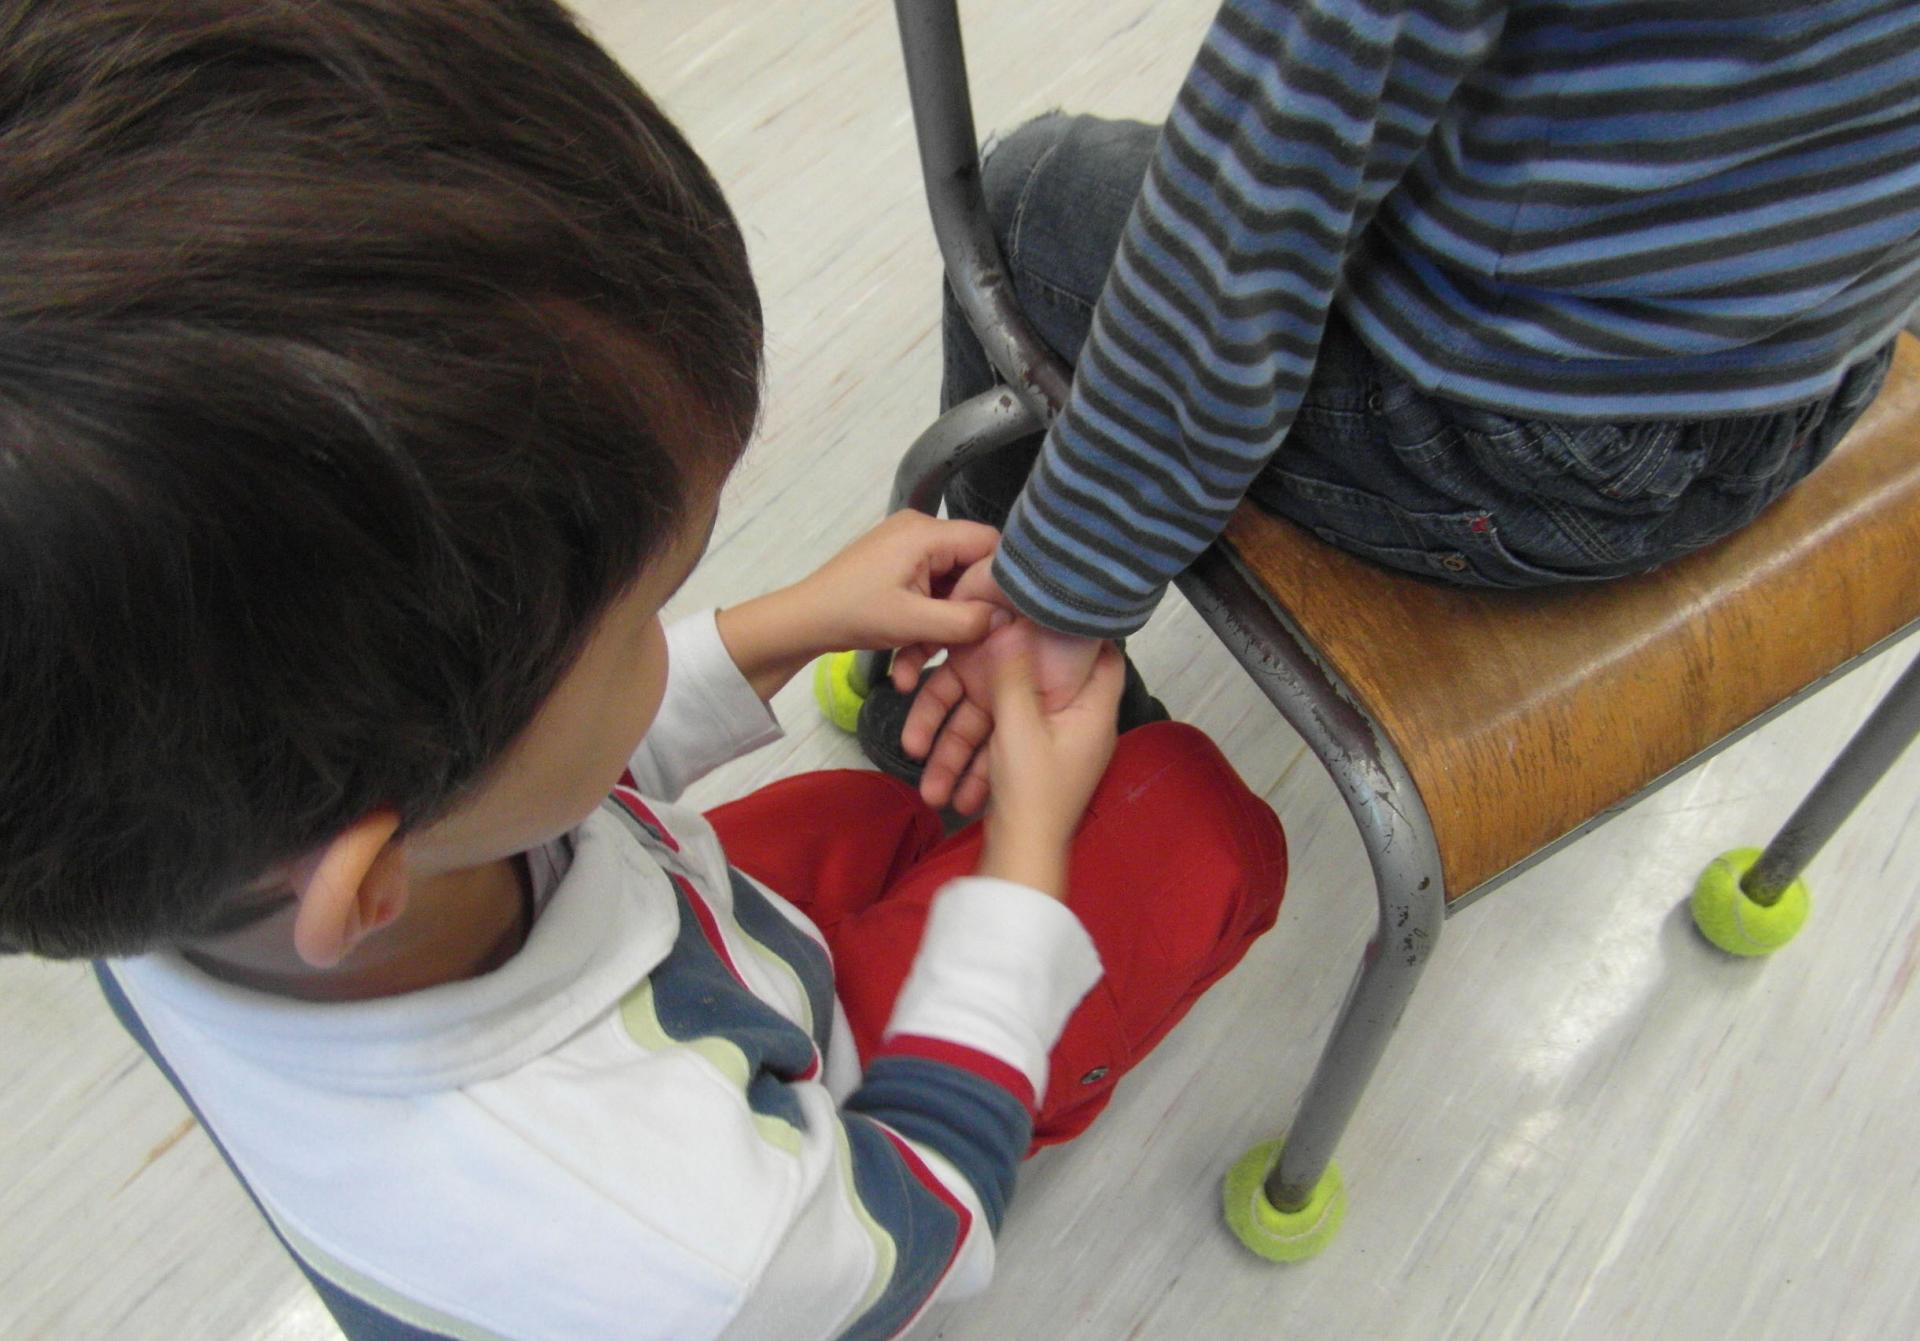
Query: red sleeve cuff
(983, 1064)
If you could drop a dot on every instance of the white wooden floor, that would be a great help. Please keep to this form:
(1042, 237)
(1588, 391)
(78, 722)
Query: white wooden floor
(1590, 1125)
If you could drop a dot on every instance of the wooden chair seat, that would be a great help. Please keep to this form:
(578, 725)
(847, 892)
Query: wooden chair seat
(1522, 715)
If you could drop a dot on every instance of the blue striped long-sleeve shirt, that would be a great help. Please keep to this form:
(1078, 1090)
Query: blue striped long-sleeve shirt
(1570, 209)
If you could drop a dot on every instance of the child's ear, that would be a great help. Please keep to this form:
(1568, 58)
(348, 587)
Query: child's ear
(353, 886)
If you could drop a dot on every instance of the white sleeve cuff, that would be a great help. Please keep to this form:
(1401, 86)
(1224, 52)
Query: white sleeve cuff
(1000, 968)
(710, 714)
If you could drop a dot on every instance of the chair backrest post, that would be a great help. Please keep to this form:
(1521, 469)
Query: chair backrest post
(950, 164)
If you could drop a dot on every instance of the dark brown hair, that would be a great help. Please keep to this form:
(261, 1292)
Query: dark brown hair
(353, 357)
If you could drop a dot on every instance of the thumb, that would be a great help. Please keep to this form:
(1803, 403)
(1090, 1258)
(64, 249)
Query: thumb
(1010, 678)
(937, 623)
(977, 584)
(1106, 681)
(953, 623)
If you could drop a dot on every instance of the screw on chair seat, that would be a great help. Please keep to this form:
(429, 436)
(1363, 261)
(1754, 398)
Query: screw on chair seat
(1522, 715)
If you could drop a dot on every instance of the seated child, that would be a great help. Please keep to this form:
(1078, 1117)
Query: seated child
(368, 376)
(1503, 295)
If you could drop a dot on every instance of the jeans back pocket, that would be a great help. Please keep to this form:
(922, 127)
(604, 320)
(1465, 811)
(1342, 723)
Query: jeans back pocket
(1457, 547)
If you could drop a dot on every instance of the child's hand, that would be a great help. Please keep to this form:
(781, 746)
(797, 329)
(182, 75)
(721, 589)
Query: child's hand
(884, 590)
(951, 717)
(889, 588)
(1044, 762)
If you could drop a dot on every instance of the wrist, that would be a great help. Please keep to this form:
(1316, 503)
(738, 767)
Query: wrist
(1026, 856)
(771, 637)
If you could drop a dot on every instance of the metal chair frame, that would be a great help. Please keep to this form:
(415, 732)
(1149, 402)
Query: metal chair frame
(1409, 885)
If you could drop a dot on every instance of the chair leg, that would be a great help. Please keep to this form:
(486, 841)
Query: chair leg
(950, 168)
(1751, 903)
(1886, 734)
(1283, 1199)
(1391, 965)
(975, 428)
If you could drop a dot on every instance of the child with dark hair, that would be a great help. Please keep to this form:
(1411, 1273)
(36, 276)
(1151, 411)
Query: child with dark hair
(368, 375)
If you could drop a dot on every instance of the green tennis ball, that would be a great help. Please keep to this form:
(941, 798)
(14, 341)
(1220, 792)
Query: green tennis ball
(1277, 1235)
(834, 689)
(1734, 922)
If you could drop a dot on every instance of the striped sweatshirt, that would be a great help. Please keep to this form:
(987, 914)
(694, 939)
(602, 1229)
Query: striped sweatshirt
(1584, 210)
(651, 1121)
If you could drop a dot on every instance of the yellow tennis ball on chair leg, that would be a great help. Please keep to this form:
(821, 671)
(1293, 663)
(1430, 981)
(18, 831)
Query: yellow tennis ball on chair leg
(1277, 1235)
(837, 690)
(1734, 922)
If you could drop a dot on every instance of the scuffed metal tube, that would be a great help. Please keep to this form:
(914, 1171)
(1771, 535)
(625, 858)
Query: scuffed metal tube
(950, 164)
(1880, 740)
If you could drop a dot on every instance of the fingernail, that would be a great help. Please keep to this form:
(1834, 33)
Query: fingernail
(999, 619)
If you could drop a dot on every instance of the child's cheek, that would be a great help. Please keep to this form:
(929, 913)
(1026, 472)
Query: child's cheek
(648, 686)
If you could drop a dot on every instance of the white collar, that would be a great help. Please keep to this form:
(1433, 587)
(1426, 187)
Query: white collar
(610, 922)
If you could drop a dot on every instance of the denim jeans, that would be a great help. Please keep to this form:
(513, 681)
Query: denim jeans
(1373, 464)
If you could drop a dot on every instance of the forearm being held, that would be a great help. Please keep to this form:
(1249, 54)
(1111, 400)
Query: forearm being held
(1026, 857)
(1044, 762)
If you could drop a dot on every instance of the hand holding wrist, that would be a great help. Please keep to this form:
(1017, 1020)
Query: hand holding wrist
(878, 592)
